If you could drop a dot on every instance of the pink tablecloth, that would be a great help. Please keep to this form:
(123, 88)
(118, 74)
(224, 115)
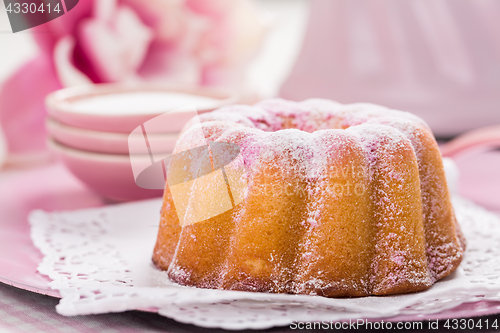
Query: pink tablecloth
(24, 311)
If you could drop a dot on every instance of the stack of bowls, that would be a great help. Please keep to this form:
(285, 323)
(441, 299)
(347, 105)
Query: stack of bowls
(92, 127)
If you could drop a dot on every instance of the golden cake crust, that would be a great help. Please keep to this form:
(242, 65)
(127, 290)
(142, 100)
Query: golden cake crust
(339, 200)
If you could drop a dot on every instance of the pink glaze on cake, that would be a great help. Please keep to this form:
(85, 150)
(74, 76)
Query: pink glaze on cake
(340, 200)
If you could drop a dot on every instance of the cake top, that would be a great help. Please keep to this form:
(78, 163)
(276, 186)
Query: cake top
(279, 115)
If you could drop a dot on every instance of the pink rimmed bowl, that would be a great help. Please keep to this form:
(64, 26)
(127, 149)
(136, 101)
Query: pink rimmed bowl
(105, 142)
(68, 105)
(106, 174)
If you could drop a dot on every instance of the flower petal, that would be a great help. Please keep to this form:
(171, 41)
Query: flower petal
(47, 34)
(22, 110)
(115, 42)
(68, 74)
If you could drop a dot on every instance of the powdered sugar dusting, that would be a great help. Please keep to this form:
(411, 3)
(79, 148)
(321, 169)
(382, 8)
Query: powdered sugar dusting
(329, 179)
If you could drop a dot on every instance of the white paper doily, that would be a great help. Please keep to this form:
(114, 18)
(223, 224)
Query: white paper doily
(100, 261)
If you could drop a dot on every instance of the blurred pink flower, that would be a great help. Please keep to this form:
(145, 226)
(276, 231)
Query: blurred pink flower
(195, 42)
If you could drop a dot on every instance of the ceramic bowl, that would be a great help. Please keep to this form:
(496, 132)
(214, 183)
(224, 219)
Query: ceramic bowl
(66, 106)
(105, 142)
(108, 175)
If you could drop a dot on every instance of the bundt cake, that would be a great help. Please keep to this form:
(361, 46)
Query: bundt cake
(311, 197)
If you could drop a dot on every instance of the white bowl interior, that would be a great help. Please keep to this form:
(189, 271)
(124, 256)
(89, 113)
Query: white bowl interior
(116, 100)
